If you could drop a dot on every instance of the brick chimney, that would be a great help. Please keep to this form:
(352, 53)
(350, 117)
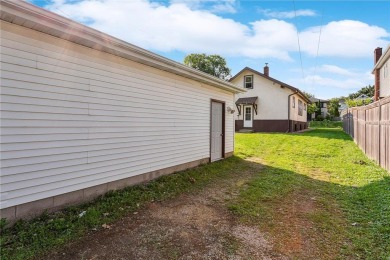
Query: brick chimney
(377, 56)
(266, 70)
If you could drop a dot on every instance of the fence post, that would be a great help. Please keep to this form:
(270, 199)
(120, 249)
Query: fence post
(349, 122)
(365, 131)
(356, 132)
(379, 133)
(375, 149)
(349, 131)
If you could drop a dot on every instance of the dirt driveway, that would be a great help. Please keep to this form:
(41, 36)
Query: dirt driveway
(191, 226)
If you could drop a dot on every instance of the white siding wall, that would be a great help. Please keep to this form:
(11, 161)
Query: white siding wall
(73, 117)
(294, 110)
(385, 79)
(272, 99)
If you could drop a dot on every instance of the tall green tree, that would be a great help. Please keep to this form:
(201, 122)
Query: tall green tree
(307, 94)
(312, 108)
(333, 108)
(212, 64)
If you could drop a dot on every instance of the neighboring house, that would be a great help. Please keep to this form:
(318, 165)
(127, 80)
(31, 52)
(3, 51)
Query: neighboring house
(342, 105)
(269, 105)
(382, 73)
(84, 113)
(362, 96)
(323, 104)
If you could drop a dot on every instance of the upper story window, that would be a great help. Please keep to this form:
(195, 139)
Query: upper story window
(248, 81)
(304, 106)
(293, 102)
(300, 107)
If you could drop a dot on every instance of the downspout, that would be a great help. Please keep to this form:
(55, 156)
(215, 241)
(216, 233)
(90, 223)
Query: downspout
(288, 116)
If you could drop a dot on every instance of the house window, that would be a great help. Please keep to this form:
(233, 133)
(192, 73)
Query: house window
(300, 107)
(304, 106)
(248, 113)
(248, 81)
(293, 102)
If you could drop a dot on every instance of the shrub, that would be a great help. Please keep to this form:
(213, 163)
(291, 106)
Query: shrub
(329, 117)
(326, 123)
(358, 102)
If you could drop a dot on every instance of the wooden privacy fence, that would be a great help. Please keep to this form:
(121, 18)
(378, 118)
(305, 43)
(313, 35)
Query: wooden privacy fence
(369, 126)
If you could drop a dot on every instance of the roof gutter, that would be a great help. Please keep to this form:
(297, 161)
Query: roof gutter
(38, 19)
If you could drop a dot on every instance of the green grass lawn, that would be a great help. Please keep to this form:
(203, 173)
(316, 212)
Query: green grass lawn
(316, 186)
(321, 169)
(326, 124)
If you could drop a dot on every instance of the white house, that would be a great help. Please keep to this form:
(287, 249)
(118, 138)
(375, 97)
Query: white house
(83, 113)
(269, 105)
(342, 105)
(382, 73)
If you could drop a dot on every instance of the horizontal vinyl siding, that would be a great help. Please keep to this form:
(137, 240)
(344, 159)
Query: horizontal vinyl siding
(272, 102)
(384, 90)
(73, 117)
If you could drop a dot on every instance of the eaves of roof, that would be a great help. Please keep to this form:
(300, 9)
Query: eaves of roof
(30, 16)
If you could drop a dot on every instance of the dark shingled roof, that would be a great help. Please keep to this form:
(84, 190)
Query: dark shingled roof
(246, 100)
(313, 99)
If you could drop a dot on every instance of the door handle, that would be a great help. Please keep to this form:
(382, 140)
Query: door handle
(221, 134)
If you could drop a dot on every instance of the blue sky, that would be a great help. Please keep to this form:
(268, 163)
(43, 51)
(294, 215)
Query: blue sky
(337, 38)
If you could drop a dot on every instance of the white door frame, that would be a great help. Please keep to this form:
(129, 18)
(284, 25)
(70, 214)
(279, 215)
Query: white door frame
(217, 153)
(248, 123)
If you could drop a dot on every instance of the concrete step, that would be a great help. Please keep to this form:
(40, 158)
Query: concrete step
(246, 130)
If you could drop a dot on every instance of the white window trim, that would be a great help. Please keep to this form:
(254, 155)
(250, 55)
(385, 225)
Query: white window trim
(248, 76)
(300, 108)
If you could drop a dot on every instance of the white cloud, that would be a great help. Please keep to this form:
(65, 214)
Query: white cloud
(287, 14)
(213, 6)
(344, 83)
(329, 81)
(223, 8)
(336, 70)
(344, 38)
(179, 27)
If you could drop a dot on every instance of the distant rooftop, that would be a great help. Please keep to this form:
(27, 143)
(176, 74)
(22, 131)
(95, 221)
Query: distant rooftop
(363, 96)
(313, 99)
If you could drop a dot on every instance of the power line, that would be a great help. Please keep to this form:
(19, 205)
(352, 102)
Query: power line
(299, 45)
(318, 50)
(59, 10)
